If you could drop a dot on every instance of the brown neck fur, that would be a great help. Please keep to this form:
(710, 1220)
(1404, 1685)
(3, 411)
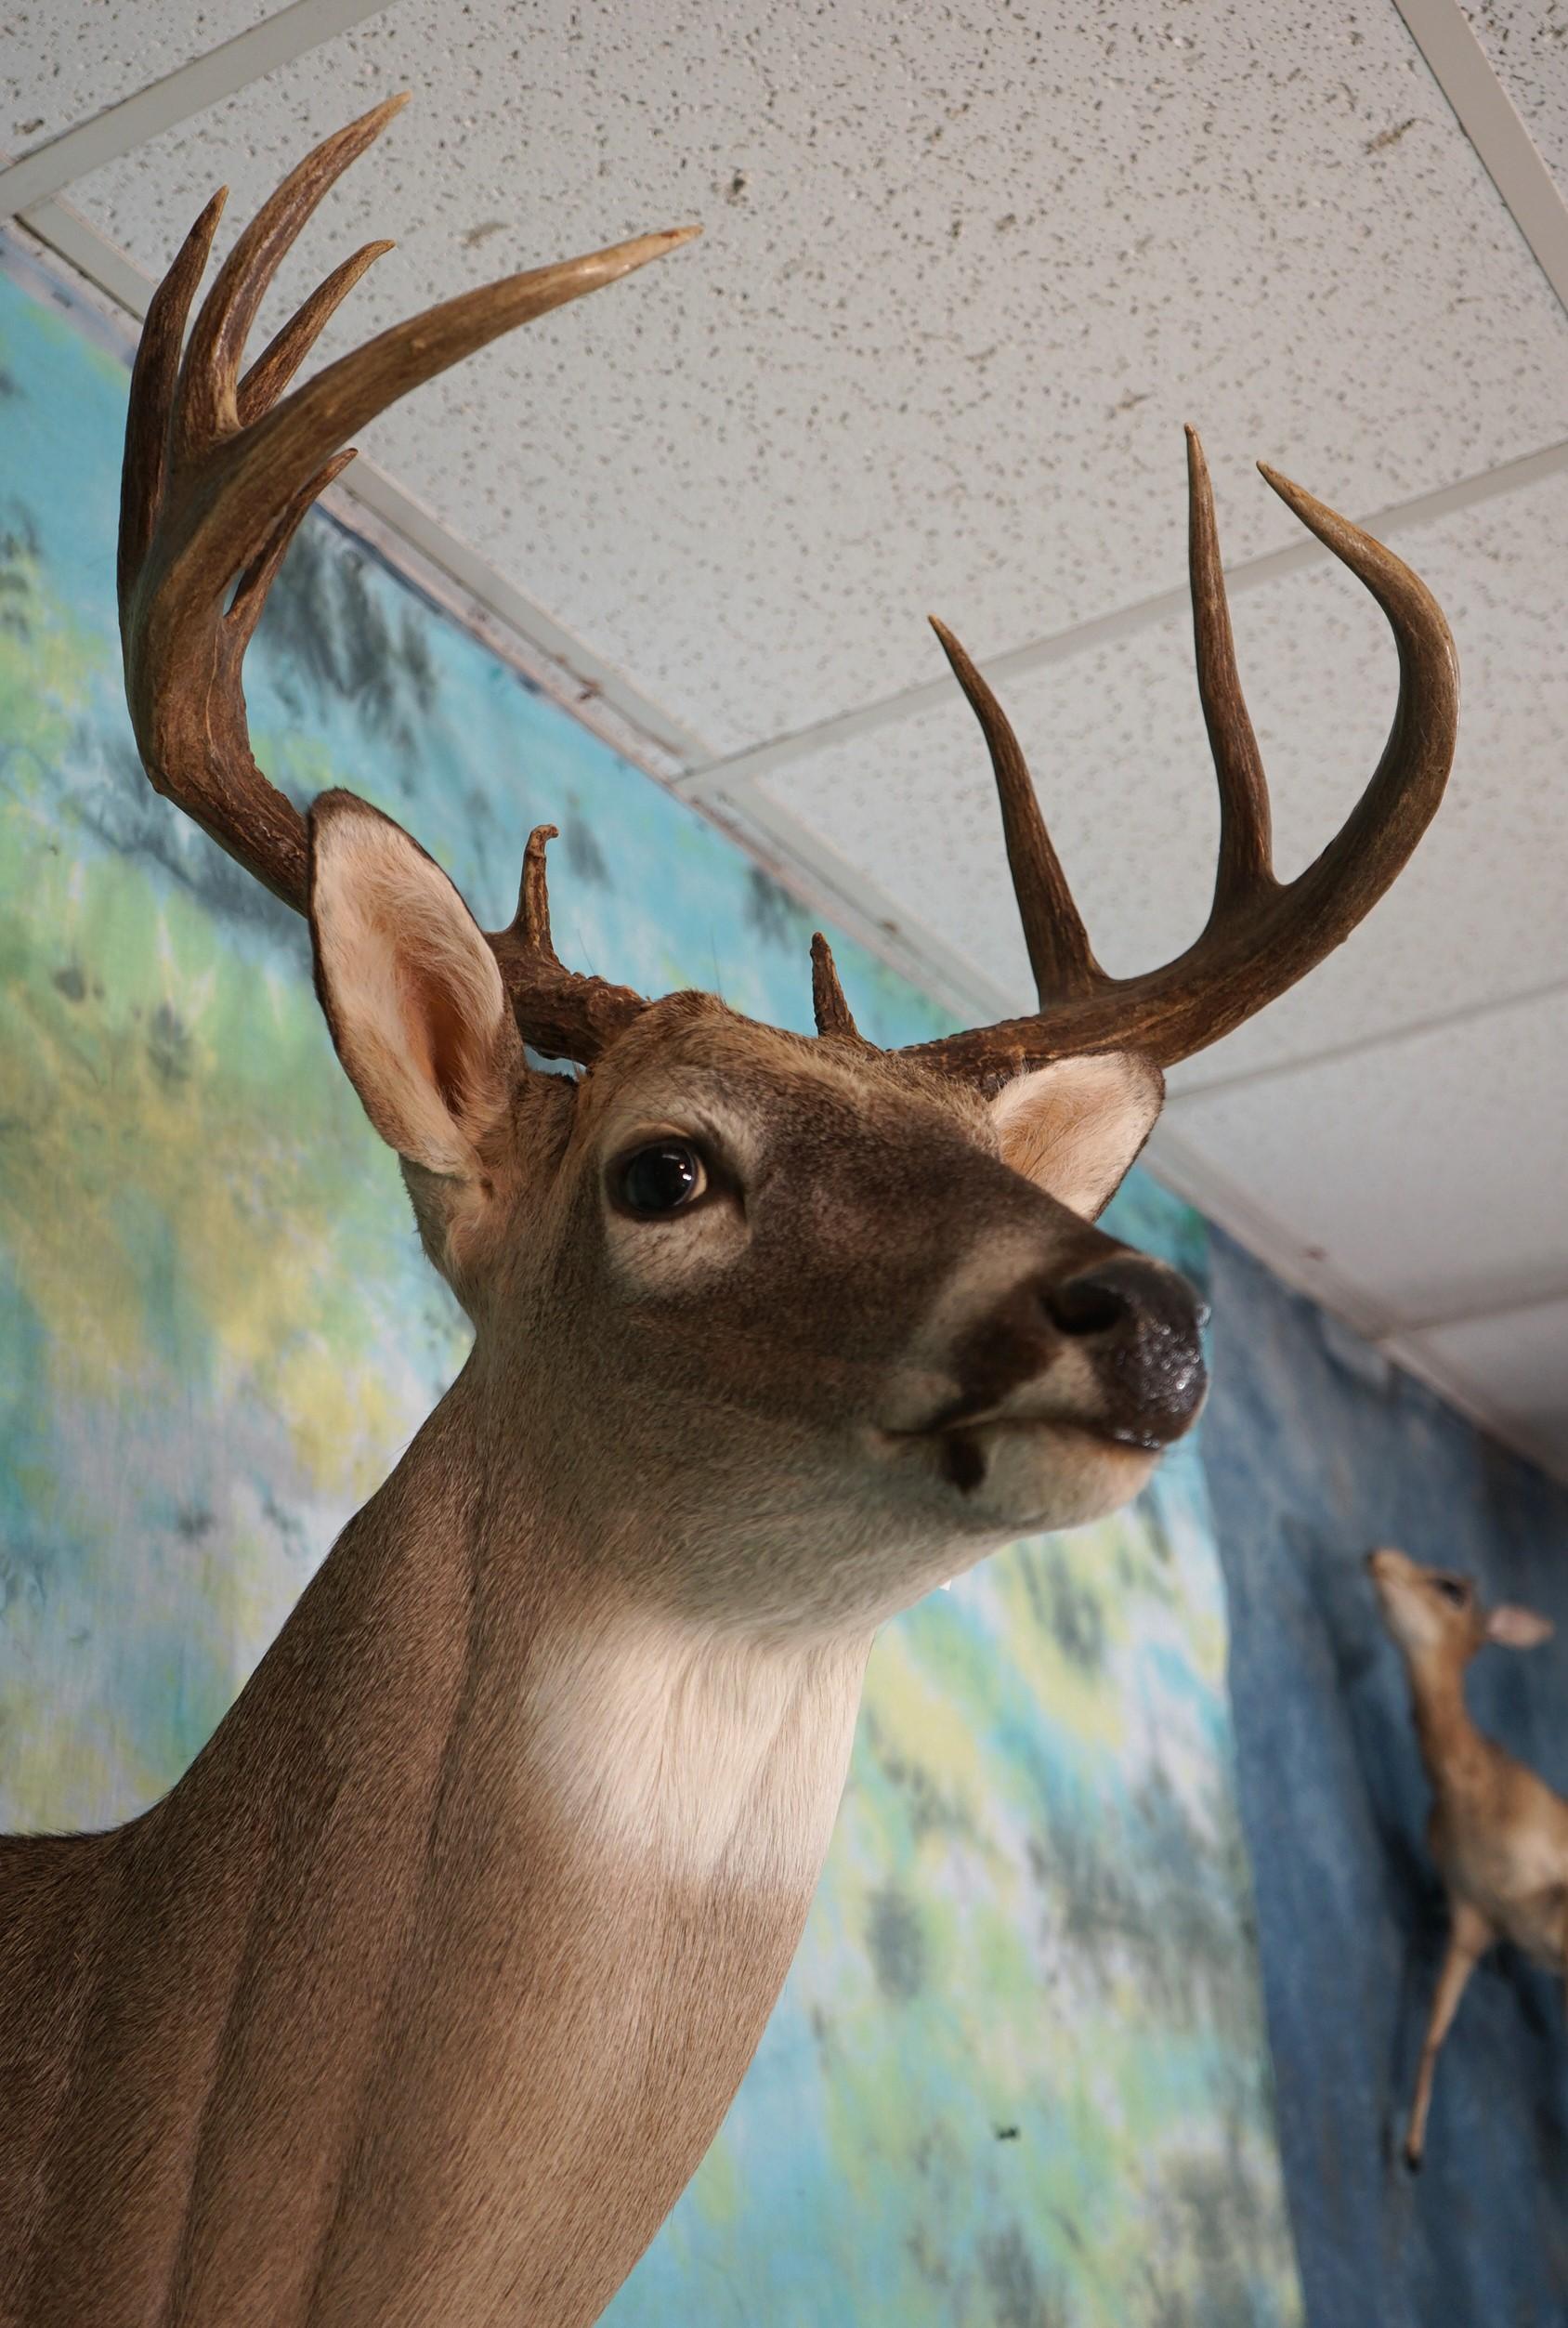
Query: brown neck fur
(1451, 1747)
(379, 1984)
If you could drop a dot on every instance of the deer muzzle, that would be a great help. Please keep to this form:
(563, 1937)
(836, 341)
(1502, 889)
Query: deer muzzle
(1109, 1344)
(1138, 1325)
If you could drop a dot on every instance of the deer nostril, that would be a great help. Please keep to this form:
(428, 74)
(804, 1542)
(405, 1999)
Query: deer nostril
(1126, 1299)
(1093, 1303)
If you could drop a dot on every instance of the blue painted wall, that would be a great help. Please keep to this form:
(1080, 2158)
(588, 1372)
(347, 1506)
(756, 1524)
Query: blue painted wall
(1315, 1451)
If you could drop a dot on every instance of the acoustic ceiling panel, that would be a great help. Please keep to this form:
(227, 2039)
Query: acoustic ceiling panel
(965, 272)
(1526, 45)
(62, 60)
(1429, 1172)
(1516, 1366)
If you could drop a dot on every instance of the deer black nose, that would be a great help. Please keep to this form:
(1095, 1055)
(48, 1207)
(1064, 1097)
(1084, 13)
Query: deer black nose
(1139, 1324)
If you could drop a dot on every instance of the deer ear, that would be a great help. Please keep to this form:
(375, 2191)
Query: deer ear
(1514, 1628)
(410, 989)
(1074, 1128)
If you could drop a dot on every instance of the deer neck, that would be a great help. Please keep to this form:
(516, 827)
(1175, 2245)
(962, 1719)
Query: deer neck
(1453, 1749)
(476, 1904)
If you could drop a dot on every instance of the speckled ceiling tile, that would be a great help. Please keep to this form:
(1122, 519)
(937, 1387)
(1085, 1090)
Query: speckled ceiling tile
(1116, 741)
(966, 270)
(63, 60)
(1518, 1362)
(1429, 1174)
(1526, 41)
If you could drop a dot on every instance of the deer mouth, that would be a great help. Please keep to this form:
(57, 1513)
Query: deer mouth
(1149, 1432)
(964, 1446)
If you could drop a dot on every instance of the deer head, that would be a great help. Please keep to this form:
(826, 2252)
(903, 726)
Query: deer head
(1439, 1619)
(844, 1307)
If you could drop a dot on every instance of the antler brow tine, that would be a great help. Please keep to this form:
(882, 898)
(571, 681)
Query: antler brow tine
(219, 471)
(829, 1007)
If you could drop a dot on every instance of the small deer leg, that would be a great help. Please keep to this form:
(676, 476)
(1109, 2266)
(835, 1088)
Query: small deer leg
(1468, 1942)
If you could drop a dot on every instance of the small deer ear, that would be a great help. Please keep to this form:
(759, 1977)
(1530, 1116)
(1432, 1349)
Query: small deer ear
(410, 989)
(1075, 1128)
(1514, 1628)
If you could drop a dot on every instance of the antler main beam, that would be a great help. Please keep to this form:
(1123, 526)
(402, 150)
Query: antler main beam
(220, 469)
(1260, 935)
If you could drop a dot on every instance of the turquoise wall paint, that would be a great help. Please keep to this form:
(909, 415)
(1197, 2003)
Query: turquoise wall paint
(1018, 2078)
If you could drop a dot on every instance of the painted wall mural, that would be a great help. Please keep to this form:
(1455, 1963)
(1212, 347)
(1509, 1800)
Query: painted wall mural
(1019, 2076)
(1316, 1450)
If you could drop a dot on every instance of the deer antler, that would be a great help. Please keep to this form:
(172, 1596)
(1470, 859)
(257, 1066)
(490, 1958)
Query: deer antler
(218, 474)
(1260, 935)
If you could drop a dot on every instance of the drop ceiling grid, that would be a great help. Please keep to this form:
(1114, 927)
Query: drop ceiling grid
(933, 348)
(1526, 44)
(1428, 1172)
(1114, 738)
(1521, 1356)
(63, 60)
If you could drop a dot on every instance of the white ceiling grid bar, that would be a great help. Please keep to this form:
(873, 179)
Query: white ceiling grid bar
(1200, 1086)
(399, 524)
(1486, 113)
(87, 145)
(58, 228)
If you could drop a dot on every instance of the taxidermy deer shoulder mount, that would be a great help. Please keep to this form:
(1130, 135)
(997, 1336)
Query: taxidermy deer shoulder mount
(420, 1995)
(1498, 1831)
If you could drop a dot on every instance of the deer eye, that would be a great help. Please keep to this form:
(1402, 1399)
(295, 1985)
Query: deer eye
(1453, 1589)
(659, 1179)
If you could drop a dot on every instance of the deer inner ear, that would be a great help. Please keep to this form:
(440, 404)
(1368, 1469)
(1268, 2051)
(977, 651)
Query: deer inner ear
(1075, 1127)
(448, 1041)
(409, 985)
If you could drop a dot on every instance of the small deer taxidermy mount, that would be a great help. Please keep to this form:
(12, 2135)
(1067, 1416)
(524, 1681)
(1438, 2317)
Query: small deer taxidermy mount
(1500, 1834)
(419, 1999)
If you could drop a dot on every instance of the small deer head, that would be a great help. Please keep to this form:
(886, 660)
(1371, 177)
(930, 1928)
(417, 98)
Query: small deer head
(1438, 1618)
(844, 1307)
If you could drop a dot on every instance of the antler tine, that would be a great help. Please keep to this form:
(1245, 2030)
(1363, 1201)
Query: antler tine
(309, 424)
(1378, 837)
(209, 402)
(563, 1015)
(1259, 937)
(532, 920)
(1060, 954)
(153, 378)
(1245, 866)
(249, 590)
(830, 1009)
(282, 355)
